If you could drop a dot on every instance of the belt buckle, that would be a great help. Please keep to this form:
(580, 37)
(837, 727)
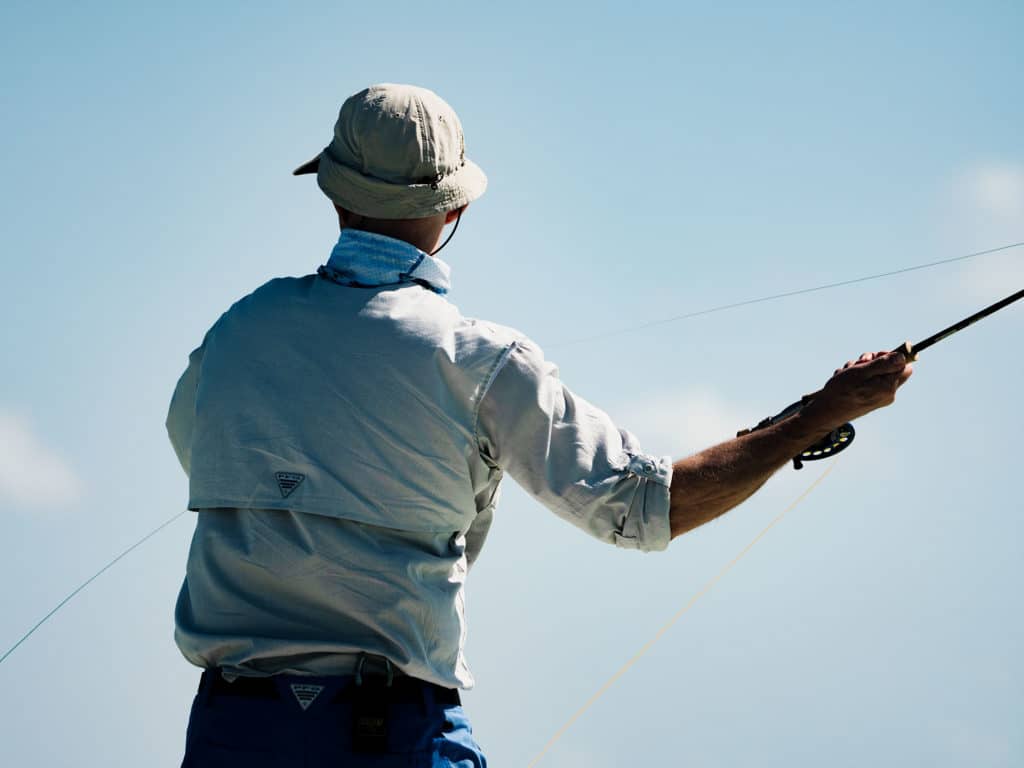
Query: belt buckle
(371, 707)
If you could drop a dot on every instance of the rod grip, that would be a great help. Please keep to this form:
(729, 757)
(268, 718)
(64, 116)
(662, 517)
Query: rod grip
(907, 350)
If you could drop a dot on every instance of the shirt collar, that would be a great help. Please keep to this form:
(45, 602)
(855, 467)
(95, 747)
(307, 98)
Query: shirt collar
(366, 260)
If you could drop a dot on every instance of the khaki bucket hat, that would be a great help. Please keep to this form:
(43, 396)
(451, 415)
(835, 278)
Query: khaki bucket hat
(397, 153)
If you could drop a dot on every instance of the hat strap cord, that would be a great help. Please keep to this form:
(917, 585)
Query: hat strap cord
(450, 234)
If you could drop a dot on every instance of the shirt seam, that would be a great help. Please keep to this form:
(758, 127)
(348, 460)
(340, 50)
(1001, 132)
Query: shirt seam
(492, 374)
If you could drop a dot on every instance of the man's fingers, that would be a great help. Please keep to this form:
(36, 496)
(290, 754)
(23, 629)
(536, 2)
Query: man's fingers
(906, 373)
(869, 382)
(867, 357)
(889, 362)
(895, 379)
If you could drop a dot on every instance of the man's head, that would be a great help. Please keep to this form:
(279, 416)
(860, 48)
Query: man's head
(397, 164)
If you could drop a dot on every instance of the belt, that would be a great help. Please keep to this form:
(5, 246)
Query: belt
(400, 689)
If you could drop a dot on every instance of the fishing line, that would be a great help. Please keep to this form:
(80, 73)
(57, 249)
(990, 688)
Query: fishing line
(89, 581)
(787, 294)
(657, 635)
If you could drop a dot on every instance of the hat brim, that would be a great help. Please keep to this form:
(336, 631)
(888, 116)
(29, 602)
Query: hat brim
(311, 167)
(379, 199)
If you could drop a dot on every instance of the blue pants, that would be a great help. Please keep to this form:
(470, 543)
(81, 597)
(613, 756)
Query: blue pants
(314, 722)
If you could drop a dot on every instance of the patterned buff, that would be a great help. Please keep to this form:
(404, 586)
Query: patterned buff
(368, 260)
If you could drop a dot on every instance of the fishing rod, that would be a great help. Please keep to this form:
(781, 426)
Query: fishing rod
(840, 438)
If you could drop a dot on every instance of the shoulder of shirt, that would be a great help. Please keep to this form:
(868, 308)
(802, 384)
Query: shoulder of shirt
(279, 283)
(506, 349)
(501, 334)
(502, 338)
(475, 333)
(274, 285)
(261, 291)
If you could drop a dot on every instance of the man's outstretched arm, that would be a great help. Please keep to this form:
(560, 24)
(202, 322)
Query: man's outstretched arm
(712, 482)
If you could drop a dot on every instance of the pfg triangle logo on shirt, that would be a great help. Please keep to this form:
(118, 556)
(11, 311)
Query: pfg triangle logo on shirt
(288, 482)
(305, 694)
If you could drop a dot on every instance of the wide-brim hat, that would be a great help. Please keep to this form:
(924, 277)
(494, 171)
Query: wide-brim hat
(398, 153)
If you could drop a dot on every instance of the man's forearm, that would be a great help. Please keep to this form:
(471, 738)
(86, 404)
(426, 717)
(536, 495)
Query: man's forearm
(715, 480)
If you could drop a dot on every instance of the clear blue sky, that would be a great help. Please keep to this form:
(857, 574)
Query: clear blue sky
(645, 160)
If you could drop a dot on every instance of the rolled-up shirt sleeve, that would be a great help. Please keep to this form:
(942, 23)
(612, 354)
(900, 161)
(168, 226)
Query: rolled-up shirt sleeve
(569, 455)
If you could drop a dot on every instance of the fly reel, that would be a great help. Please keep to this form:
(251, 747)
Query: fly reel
(837, 440)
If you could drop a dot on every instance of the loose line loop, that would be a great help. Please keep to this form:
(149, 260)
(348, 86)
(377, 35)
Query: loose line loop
(658, 635)
(89, 581)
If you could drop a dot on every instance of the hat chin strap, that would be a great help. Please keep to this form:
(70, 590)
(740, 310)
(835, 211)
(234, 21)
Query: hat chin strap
(450, 235)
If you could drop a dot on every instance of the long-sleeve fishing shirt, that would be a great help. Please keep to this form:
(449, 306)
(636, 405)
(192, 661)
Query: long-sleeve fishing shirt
(345, 435)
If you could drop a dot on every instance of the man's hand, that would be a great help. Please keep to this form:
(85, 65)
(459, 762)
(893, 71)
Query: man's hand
(861, 386)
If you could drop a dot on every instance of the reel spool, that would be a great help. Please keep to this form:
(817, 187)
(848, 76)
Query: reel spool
(837, 440)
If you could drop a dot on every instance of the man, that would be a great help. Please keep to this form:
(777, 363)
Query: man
(345, 434)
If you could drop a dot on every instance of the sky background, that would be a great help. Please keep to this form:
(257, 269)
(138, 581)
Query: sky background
(645, 160)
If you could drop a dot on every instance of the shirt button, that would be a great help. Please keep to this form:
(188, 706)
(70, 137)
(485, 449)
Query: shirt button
(648, 467)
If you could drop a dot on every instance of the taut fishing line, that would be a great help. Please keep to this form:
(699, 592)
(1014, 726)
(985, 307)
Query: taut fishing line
(785, 295)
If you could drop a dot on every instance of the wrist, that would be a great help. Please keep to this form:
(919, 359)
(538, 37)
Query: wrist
(814, 421)
(810, 424)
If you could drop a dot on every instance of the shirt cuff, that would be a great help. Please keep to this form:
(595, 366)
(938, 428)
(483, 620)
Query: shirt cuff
(647, 526)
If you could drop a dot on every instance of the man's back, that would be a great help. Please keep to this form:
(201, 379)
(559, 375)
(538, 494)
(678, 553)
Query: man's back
(330, 434)
(362, 398)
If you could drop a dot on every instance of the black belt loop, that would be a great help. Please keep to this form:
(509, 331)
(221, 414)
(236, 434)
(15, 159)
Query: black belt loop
(389, 669)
